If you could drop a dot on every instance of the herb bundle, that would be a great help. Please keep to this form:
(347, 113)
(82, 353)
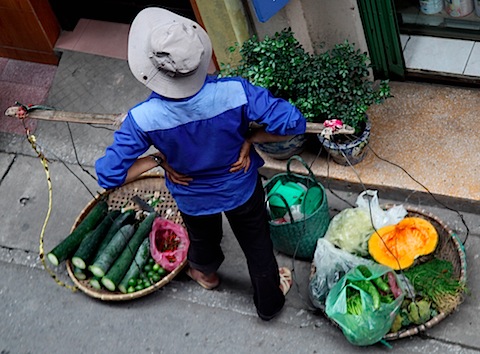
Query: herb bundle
(434, 279)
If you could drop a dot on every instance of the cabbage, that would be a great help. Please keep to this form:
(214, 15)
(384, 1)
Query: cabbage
(350, 230)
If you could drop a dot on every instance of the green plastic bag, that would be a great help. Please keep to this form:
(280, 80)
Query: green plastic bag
(372, 324)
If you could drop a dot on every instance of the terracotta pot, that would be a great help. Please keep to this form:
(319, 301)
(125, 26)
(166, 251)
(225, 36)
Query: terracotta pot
(353, 152)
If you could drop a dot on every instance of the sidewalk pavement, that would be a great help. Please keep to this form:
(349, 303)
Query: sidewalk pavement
(42, 317)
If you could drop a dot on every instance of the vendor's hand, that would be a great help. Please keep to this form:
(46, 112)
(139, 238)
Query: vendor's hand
(172, 175)
(176, 177)
(243, 162)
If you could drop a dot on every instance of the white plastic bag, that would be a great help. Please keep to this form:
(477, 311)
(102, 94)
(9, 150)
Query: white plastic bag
(379, 216)
(331, 264)
(296, 213)
(352, 227)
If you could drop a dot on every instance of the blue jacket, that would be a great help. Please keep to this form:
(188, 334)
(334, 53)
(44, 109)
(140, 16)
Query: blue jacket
(201, 137)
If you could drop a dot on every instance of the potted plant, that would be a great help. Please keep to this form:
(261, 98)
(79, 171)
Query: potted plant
(276, 63)
(333, 85)
(344, 93)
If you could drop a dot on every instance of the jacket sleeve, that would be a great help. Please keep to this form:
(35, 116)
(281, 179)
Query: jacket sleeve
(129, 142)
(277, 115)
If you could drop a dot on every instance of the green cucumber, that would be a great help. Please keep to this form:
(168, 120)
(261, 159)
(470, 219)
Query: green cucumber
(124, 218)
(141, 258)
(88, 248)
(370, 289)
(79, 273)
(95, 283)
(69, 245)
(115, 247)
(122, 264)
(379, 282)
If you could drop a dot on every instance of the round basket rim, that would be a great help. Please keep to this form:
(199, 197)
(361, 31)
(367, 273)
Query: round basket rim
(408, 332)
(106, 295)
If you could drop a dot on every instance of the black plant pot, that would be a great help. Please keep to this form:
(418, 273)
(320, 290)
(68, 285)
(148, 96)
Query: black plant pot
(352, 152)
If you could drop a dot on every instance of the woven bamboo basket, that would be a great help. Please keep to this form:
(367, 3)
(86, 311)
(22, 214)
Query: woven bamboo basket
(449, 248)
(145, 186)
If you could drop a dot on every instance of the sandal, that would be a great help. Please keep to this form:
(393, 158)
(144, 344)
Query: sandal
(285, 279)
(208, 282)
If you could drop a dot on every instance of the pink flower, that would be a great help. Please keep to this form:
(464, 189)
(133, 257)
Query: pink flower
(333, 123)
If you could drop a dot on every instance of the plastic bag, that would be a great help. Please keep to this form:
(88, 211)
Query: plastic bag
(352, 227)
(372, 324)
(331, 264)
(296, 213)
(169, 243)
(379, 216)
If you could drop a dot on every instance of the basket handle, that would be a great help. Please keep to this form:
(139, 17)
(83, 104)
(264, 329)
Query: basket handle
(302, 161)
(284, 202)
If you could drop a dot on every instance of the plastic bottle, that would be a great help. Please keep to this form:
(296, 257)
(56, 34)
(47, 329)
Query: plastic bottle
(430, 7)
(458, 8)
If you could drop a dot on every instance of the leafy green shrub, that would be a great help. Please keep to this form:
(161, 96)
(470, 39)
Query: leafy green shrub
(274, 63)
(346, 91)
(333, 84)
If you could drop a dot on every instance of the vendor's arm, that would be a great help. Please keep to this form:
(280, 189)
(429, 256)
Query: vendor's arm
(146, 163)
(129, 142)
(257, 136)
(140, 166)
(260, 136)
(279, 118)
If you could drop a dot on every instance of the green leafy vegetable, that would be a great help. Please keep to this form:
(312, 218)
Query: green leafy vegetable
(435, 280)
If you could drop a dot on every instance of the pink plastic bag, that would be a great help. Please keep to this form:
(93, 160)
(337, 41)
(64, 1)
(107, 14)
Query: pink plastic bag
(168, 243)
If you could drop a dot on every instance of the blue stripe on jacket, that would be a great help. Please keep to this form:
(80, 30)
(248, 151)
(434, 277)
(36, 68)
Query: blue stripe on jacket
(201, 136)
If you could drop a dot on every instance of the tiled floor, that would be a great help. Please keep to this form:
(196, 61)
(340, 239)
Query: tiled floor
(441, 54)
(99, 37)
(25, 82)
(424, 127)
(420, 52)
(96, 37)
(110, 40)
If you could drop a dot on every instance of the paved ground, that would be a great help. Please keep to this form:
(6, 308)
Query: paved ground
(42, 317)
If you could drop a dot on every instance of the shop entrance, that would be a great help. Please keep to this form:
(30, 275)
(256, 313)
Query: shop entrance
(427, 40)
(458, 19)
(441, 39)
(120, 11)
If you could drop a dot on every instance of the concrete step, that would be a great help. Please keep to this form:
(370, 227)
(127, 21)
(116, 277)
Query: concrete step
(424, 141)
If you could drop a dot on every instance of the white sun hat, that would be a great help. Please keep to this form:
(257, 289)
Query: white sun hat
(168, 53)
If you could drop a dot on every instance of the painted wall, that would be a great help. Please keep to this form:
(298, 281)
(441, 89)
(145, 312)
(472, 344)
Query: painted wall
(226, 22)
(316, 23)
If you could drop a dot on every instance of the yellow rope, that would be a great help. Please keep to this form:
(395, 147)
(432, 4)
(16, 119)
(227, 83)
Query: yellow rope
(31, 138)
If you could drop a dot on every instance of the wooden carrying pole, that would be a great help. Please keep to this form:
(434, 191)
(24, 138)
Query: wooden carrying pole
(99, 118)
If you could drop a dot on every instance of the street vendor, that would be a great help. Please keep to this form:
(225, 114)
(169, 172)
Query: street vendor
(201, 126)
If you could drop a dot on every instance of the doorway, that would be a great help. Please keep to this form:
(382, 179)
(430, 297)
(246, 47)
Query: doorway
(440, 39)
(426, 40)
(118, 11)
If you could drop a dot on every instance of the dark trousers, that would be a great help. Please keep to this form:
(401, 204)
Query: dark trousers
(249, 223)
